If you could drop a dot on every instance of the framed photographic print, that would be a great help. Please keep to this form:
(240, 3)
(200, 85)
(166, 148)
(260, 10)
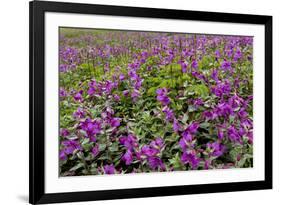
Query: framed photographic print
(140, 102)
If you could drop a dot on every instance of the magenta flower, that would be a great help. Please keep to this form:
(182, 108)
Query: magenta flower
(224, 109)
(216, 149)
(215, 75)
(149, 151)
(69, 146)
(221, 89)
(116, 97)
(190, 158)
(63, 68)
(109, 169)
(62, 92)
(137, 84)
(62, 155)
(209, 115)
(162, 96)
(194, 64)
(78, 96)
(158, 143)
(176, 126)
(155, 163)
(128, 157)
(79, 113)
(242, 113)
(220, 134)
(169, 113)
(233, 134)
(64, 132)
(226, 65)
(237, 54)
(135, 94)
(197, 102)
(92, 128)
(126, 93)
(95, 150)
(133, 75)
(184, 66)
(192, 128)
(130, 141)
(121, 77)
(185, 141)
(108, 87)
(250, 137)
(217, 54)
(115, 122)
(93, 88)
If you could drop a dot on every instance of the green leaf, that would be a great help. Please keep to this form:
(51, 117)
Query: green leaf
(78, 166)
(185, 118)
(199, 89)
(113, 147)
(191, 108)
(205, 125)
(152, 91)
(176, 162)
(102, 147)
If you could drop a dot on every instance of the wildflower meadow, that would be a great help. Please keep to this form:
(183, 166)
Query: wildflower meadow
(138, 102)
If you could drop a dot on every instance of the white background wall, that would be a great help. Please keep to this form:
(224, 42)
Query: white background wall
(14, 100)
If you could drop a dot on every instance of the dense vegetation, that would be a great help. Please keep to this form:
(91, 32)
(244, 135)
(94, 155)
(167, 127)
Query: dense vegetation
(135, 102)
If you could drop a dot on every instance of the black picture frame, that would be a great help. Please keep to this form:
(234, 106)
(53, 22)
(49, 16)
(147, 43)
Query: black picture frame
(37, 10)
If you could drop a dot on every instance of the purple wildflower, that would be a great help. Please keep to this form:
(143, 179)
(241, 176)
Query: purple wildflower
(62, 92)
(93, 88)
(216, 149)
(233, 135)
(155, 163)
(135, 94)
(95, 150)
(109, 169)
(193, 127)
(226, 65)
(64, 132)
(169, 113)
(133, 75)
(220, 134)
(116, 97)
(79, 113)
(78, 96)
(115, 122)
(130, 141)
(217, 54)
(176, 126)
(121, 77)
(190, 158)
(184, 66)
(237, 54)
(69, 146)
(128, 157)
(92, 128)
(126, 93)
(194, 64)
(158, 143)
(185, 141)
(62, 155)
(214, 75)
(149, 151)
(162, 96)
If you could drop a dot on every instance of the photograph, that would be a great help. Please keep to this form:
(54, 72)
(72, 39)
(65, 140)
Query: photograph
(133, 102)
